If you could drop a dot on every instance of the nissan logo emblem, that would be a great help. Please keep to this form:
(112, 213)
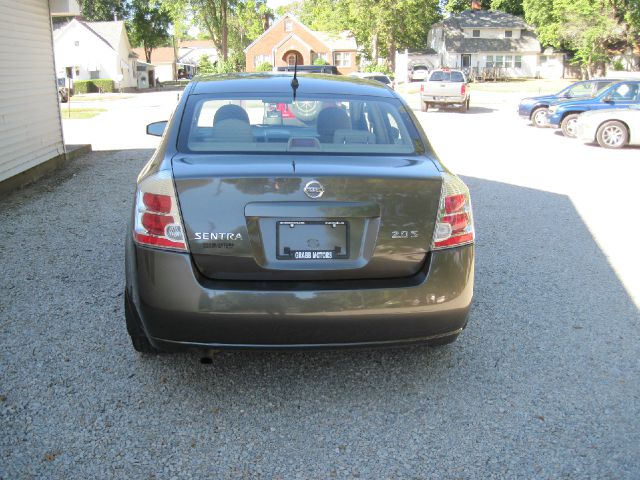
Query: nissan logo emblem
(314, 189)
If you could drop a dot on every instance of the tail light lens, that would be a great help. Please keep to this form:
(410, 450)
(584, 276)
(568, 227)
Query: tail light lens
(463, 90)
(454, 225)
(422, 87)
(157, 217)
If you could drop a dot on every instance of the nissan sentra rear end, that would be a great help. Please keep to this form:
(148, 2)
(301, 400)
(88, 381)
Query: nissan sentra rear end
(274, 216)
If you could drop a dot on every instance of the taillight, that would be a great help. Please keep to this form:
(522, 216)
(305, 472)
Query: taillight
(454, 224)
(463, 90)
(157, 217)
(422, 87)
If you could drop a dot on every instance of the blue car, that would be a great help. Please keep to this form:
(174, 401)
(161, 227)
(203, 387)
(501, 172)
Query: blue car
(564, 114)
(535, 108)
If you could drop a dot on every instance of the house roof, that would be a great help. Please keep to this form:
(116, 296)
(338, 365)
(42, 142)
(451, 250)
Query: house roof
(456, 42)
(158, 55)
(333, 41)
(484, 19)
(527, 42)
(196, 44)
(338, 41)
(109, 32)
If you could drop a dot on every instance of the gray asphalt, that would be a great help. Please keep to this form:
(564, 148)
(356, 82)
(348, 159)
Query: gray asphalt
(542, 384)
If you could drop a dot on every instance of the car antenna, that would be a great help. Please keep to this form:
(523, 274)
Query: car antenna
(294, 81)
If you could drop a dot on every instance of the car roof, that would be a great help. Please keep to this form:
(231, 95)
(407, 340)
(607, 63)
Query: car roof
(280, 83)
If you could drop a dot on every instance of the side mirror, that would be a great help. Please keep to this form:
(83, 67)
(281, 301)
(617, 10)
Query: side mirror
(608, 99)
(156, 128)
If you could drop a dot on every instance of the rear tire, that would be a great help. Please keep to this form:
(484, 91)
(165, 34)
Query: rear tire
(569, 124)
(139, 339)
(612, 134)
(538, 117)
(424, 106)
(465, 106)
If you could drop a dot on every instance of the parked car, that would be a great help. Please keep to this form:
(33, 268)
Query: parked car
(377, 76)
(535, 108)
(445, 88)
(345, 232)
(611, 128)
(418, 73)
(564, 114)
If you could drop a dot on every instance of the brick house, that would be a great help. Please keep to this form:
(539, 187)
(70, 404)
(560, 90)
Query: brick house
(289, 39)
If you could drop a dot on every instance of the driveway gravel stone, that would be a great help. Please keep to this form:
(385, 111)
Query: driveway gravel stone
(543, 383)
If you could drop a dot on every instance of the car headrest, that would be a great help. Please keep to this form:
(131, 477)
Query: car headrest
(232, 131)
(231, 112)
(331, 119)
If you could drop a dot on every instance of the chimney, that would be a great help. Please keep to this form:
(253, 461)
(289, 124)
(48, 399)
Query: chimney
(476, 5)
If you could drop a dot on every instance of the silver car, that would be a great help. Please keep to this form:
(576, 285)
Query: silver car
(611, 128)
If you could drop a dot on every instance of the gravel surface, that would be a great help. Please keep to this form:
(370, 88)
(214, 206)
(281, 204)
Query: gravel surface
(542, 384)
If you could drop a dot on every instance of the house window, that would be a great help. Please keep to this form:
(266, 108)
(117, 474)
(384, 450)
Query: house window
(76, 43)
(288, 25)
(291, 59)
(260, 59)
(94, 74)
(507, 61)
(499, 61)
(489, 62)
(508, 33)
(518, 61)
(342, 59)
(476, 33)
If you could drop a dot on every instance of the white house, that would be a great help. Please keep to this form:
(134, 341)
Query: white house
(489, 40)
(92, 50)
(31, 142)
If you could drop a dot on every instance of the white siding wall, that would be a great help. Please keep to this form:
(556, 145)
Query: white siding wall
(30, 126)
(492, 32)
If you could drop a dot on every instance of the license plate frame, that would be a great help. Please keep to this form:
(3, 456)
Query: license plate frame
(286, 252)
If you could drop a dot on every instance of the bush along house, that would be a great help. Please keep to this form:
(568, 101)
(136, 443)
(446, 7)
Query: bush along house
(492, 45)
(288, 41)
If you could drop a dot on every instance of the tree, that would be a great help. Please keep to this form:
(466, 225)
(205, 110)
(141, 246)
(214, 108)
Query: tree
(148, 25)
(205, 66)
(103, 10)
(212, 15)
(589, 28)
(514, 7)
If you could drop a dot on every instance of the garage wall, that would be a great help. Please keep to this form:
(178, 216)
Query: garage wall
(30, 125)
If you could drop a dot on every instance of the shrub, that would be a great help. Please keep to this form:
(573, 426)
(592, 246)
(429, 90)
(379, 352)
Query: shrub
(618, 66)
(320, 61)
(264, 67)
(378, 67)
(91, 86)
(205, 66)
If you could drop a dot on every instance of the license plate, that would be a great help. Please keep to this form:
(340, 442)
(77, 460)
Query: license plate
(312, 239)
(437, 98)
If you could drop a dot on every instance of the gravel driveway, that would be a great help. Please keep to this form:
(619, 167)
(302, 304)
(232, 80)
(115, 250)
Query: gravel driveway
(542, 384)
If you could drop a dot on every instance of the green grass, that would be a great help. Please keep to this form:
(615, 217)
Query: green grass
(80, 113)
(98, 97)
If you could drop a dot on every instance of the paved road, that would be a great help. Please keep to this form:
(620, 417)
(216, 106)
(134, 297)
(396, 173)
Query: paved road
(542, 384)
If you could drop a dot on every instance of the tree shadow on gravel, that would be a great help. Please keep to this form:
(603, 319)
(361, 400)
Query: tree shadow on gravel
(545, 295)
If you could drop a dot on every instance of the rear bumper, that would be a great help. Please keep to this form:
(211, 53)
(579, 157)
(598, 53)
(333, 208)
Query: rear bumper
(179, 308)
(435, 100)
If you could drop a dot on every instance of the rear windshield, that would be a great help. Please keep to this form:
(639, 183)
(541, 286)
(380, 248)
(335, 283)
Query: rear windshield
(440, 76)
(276, 124)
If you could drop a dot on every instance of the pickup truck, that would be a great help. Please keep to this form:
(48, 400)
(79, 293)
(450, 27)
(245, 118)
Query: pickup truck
(445, 88)
(535, 108)
(564, 114)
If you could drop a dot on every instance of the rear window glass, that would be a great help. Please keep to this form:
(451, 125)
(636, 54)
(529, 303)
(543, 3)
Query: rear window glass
(440, 76)
(266, 124)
